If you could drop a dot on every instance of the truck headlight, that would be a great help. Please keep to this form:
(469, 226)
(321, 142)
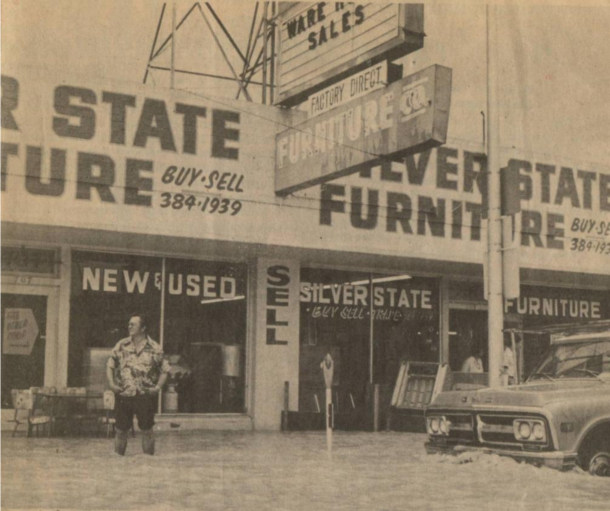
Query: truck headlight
(538, 431)
(529, 430)
(437, 426)
(525, 430)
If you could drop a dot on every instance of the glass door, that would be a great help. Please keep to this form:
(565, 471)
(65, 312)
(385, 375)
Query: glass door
(24, 342)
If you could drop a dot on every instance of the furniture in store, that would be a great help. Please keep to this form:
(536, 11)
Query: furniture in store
(70, 408)
(417, 384)
(107, 419)
(26, 412)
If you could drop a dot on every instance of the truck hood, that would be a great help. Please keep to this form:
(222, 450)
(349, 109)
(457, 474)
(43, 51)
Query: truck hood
(535, 394)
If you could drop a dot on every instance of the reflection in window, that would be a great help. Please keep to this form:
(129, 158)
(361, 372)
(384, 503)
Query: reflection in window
(405, 323)
(205, 334)
(368, 323)
(200, 319)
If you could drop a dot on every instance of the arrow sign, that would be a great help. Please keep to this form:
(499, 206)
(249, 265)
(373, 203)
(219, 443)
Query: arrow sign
(20, 332)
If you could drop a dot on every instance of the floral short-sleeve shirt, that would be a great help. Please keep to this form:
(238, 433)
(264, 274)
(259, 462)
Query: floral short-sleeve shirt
(137, 372)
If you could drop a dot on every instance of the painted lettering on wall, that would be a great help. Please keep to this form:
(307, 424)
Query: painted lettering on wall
(200, 184)
(278, 298)
(444, 199)
(84, 122)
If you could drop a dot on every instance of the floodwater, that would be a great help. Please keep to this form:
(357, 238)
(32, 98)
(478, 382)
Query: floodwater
(275, 471)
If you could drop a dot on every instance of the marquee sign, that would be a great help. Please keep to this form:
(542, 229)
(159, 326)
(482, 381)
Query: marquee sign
(407, 117)
(323, 42)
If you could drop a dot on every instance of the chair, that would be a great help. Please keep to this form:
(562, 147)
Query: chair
(108, 418)
(24, 402)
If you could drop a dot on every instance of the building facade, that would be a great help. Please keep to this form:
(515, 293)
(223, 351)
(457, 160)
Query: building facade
(117, 198)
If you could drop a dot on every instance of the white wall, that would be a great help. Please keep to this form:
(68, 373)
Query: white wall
(276, 344)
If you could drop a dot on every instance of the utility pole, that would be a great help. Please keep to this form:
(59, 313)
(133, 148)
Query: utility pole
(173, 59)
(494, 232)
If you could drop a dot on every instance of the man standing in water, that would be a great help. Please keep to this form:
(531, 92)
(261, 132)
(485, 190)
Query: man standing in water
(139, 368)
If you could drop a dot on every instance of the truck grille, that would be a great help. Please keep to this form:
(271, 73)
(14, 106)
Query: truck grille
(496, 429)
(488, 429)
(462, 427)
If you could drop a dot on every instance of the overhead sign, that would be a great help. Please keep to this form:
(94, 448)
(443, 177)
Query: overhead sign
(354, 87)
(323, 42)
(407, 117)
(20, 332)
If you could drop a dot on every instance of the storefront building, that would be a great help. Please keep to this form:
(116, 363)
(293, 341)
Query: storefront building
(118, 199)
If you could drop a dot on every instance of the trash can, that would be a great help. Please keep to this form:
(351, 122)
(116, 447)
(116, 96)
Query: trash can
(170, 399)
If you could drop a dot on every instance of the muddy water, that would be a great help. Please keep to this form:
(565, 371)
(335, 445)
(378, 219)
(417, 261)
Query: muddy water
(293, 472)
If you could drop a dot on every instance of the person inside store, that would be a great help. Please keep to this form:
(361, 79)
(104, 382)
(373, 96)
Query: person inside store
(474, 363)
(136, 372)
(508, 371)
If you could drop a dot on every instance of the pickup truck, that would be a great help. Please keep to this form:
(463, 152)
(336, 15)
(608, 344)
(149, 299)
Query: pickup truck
(558, 418)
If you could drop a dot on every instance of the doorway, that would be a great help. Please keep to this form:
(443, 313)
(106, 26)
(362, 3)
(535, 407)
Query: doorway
(28, 339)
(467, 329)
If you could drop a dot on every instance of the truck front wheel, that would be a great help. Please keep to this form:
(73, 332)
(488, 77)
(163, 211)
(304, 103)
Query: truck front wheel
(594, 454)
(599, 464)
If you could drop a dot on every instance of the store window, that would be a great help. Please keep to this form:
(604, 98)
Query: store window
(205, 334)
(405, 323)
(335, 319)
(527, 317)
(24, 325)
(369, 323)
(539, 307)
(196, 310)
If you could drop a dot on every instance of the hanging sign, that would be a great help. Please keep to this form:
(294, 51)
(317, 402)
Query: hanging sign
(407, 117)
(20, 332)
(322, 42)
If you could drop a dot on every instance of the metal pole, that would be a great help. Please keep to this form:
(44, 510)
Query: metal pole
(226, 32)
(227, 61)
(286, 406)
(265, 42)
(197, 73)
(272, 66)
(173, 61)
(152, 50)
(371, 328)
(328, 368)
(494, 235)
(169, 37)
(250, 54)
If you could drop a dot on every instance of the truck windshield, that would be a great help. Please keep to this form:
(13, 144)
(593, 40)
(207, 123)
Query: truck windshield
(582, 360)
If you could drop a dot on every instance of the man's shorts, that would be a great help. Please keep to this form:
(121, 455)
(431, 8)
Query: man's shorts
(143, 406)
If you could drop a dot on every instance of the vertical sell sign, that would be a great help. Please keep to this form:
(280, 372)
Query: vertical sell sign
(407, 117)
(323, 42)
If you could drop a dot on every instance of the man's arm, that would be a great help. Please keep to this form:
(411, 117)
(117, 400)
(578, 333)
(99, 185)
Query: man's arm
(110, 377)
(164, 367)
(162, 380)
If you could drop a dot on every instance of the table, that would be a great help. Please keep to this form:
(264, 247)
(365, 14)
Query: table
(68, 408)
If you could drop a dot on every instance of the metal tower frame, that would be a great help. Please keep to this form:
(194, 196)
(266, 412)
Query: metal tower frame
(261, 42)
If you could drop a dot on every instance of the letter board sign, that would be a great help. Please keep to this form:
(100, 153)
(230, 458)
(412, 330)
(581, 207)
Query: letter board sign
(323, 42)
